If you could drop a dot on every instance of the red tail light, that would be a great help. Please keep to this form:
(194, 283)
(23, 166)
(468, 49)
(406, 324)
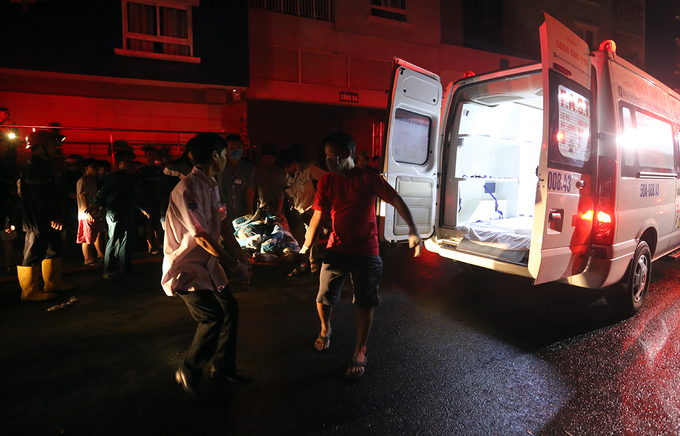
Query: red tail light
(604, 222)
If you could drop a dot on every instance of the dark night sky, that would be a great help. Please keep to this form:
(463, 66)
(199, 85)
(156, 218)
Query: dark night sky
(661, 52)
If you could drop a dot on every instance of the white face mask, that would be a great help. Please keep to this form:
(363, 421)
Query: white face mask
(334, 164)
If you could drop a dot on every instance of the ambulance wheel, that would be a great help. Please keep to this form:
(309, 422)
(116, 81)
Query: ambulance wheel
(628, 296)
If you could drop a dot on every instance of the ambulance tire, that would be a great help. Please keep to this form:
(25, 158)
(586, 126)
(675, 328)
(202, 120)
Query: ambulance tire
(628, 296)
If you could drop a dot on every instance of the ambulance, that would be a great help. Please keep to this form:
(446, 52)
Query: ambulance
(564, 171)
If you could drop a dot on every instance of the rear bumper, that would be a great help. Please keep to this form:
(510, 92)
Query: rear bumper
(450, 252)
(607, 266)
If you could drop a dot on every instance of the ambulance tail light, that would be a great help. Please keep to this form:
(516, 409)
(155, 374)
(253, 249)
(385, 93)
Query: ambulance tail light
(604, 222)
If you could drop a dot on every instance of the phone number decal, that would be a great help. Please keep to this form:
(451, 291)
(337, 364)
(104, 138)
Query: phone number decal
(649, 190)
(559, 182)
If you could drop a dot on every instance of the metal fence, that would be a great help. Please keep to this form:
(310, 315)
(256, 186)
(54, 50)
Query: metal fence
(317, 9)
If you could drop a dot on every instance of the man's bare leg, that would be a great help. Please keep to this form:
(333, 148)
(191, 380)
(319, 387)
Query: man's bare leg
(324, 311)
(364, 323)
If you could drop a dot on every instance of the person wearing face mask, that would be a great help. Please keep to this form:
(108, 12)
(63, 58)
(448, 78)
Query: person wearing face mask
(238, 182)
(349, 193)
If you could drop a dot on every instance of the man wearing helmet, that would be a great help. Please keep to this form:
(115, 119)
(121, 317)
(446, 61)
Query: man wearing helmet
(42, 222)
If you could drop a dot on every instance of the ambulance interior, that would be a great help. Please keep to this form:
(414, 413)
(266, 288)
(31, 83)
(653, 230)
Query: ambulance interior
(495, 141)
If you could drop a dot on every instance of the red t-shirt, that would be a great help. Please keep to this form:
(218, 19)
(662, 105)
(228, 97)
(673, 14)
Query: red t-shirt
(351, 201)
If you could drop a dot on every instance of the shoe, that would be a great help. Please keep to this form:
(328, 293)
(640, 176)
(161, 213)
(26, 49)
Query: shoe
(29, 278)
(356, 369)
(315, 268)
(110, 275)
(51, 272)
(322, 342)
(230, 376)
(189, 381)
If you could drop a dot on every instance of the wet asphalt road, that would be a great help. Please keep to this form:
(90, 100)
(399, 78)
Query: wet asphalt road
(449, 354)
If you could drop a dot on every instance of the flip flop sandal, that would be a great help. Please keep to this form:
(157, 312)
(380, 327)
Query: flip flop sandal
(301, 269)
(326, 340)
(314, 268)
(353, 371)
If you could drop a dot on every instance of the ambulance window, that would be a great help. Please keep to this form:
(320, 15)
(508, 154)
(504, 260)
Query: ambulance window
(627, 152)
(411, 137)
(657, 154)
(646, 144)
(570, 142)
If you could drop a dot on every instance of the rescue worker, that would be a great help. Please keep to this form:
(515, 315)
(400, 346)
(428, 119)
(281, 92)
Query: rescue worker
(42, 222)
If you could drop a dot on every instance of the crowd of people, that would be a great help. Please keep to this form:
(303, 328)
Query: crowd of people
(187, 208)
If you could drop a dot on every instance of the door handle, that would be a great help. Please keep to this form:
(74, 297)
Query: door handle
(554, 215)
(580, 184)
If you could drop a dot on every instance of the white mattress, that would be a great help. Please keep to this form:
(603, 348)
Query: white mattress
(507, 234)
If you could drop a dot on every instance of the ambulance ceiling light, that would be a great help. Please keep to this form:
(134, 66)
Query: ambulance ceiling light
(468, 74)
(608, 45)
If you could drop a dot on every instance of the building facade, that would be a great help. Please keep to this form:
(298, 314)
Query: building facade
(144, 71)
(322, 65)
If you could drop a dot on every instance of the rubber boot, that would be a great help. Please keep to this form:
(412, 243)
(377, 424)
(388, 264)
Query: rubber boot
(51, 272)
(29, 277)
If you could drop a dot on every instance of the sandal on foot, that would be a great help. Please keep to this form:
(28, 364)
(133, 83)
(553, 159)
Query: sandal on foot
(301, 269)
(325, 342)
(314, 268)
(356, 369)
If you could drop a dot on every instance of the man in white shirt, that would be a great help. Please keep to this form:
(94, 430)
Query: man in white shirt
(191, 266)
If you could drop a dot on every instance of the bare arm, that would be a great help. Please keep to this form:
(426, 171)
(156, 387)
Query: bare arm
(209, 244)
(227, 233)
(405, 212)
(313, 230)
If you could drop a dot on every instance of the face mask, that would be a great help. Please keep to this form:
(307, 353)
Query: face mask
(236, 154)
(333, 164)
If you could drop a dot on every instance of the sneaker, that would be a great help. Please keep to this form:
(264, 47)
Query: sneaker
(188, 380)
(230, 376)
(110, 275)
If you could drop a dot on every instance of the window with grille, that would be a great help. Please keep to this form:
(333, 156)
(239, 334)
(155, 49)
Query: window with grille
(158, 29)
(588, 33)
(391, 9)
(317, 9)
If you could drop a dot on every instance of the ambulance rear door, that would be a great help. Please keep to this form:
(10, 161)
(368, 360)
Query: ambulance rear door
(562, 226)
(411, 149)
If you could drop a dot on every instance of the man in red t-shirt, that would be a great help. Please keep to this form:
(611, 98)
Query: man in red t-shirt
(349, 193)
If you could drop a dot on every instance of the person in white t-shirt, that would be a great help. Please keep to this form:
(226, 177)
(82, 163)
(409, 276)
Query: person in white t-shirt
(194, 223)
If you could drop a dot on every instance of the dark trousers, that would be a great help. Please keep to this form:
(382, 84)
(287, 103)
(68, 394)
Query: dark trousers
(40, 245)
(217, 316)
(118, 247)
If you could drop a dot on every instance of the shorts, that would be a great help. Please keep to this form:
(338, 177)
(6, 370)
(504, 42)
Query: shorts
(88, 231)
(365, 272)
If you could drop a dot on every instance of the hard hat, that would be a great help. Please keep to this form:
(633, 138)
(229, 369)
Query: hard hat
(40, 137)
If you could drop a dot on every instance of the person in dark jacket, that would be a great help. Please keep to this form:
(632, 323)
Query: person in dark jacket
(119, 197)
(42, 222)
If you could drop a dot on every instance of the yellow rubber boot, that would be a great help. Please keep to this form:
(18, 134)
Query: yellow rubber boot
(51, 272)
(29, 277)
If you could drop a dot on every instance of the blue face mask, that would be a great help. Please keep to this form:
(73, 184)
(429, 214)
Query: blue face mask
(236, 154)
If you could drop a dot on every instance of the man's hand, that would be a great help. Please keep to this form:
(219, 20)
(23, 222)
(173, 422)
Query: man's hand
(414, 242)
(242, 273)
(56, 225)
(90, 218)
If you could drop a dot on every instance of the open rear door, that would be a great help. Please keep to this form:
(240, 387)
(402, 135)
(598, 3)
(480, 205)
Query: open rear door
(411, 149)
(564, 198)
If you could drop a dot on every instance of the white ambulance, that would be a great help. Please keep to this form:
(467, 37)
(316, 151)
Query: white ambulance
(561, 171)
